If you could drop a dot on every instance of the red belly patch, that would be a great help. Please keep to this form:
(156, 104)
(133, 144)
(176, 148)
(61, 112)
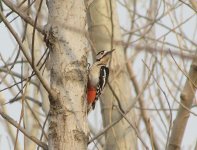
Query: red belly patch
(91, 95)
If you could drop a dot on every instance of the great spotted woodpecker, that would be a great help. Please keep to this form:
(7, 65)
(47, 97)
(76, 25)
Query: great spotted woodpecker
(97, 77)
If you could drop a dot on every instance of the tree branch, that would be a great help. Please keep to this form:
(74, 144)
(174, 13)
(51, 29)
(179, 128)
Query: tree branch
(26, 18)
(25, 52)
(14, 123)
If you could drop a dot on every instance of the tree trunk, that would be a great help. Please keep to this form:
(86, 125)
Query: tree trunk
(68, 61)
(187, 96)
(104, 29)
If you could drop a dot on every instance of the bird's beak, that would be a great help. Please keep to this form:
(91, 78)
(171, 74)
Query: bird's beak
(109, 52)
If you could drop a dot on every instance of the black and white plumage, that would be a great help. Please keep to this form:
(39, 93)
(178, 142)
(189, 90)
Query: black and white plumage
(98, 76)
(103, 79)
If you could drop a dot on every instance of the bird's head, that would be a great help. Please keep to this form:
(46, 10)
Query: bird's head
(103, 56)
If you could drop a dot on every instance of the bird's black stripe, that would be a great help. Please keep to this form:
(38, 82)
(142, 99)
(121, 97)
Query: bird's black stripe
(103, 78)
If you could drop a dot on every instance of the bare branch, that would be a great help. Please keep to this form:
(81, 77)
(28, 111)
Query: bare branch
(14, 123)
(25, 52)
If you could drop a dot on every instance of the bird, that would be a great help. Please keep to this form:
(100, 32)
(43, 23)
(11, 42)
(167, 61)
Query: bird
(98, 75)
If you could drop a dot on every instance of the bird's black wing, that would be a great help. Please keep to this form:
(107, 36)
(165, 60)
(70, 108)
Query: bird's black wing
(103, 79)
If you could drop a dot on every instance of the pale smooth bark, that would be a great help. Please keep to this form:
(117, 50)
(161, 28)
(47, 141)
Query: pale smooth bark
(68, 61)
(103, 33)
(187, 96)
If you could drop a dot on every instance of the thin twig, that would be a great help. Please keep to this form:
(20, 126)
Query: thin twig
(43, 129)
(135, 129)
(167, 103)
(33, 37)
(14, 123)
(23, 15)
(25, 52)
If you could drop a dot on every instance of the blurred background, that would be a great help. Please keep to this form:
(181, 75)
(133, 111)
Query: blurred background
(158, 38)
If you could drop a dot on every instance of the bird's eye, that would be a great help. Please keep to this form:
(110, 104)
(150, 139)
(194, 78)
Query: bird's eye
(100, 53)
